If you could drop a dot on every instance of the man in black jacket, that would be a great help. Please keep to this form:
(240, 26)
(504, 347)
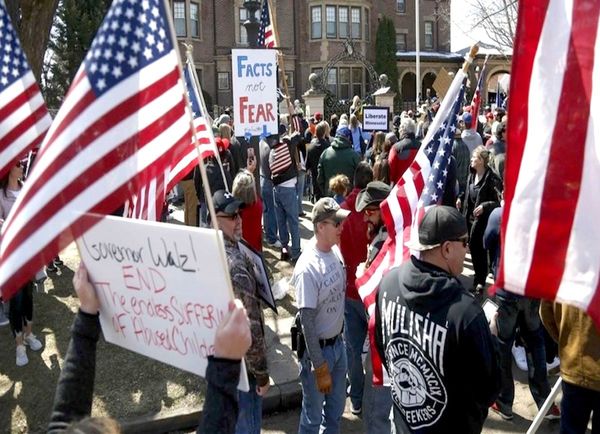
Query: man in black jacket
(433, 335)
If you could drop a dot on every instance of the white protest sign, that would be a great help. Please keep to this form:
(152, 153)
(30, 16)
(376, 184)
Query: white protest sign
(254, 92)
(375, 118)
(162, 288)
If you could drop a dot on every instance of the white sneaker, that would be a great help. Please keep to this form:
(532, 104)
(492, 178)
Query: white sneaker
(32, 342)
(22, 359)
(554, 364)
(520, 357)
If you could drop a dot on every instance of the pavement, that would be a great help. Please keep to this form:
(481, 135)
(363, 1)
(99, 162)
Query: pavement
(285, 395)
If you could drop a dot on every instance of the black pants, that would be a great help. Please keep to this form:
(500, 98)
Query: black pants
(576, 406)
(20, 309)
(479, 255)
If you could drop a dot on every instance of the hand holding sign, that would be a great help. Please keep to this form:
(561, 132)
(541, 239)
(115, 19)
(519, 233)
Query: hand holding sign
(233, 338)
(85, 291)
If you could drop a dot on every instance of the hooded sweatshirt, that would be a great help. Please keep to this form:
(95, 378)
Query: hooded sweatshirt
(339, 158)
(438, 351)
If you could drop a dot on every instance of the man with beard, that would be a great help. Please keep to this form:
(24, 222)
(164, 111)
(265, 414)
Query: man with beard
(367, 202)
(245, 287)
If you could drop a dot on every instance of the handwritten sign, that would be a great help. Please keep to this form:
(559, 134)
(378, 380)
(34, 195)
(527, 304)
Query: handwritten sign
(254, 92)
(162, 288)
(376, 118)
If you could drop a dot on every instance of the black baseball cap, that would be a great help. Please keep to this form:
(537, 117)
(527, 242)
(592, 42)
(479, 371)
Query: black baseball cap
(375, 193)
(226, 203)
(440, 224)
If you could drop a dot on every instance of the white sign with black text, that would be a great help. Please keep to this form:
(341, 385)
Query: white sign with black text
(376, 118)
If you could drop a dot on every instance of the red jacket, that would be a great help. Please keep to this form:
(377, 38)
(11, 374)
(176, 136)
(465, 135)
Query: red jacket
(353, 243)
(252, 225)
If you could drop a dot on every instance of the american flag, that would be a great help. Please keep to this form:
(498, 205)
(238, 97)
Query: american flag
(550, 224)
(421, 187)
(266, 32)
(24, 119)
(123, 120)
(476, 102)
(149, 201)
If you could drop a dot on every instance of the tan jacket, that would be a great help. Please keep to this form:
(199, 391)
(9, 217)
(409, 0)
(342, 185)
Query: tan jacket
(578, 343)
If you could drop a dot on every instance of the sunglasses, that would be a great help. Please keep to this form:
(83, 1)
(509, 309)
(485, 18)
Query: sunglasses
(370, 211)
(334, 224)
(230, 217)
(464, 241)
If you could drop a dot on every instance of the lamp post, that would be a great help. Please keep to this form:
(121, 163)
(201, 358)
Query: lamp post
(252, 24)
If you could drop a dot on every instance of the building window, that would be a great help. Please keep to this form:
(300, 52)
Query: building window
(429, 34)
(195, 19)
(243, 16)
(332, 81)
(223, 79)
(401, 6)
(316, 28)
(289, 77)
(343, 22)
(199, 75)
(179, 18)
(367, 26)
(356, 23)
(331, 22)
(344, 91)
(400, 41)
(357, 81)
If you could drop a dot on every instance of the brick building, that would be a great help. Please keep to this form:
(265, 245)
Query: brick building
(311, 33)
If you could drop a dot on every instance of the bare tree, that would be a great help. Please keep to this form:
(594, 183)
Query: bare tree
(498, 19)
(33, 20)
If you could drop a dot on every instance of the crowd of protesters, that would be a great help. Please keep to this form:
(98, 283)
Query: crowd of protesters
(464, 363)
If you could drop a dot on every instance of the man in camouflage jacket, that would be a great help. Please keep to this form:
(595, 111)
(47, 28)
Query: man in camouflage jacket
(245, 287)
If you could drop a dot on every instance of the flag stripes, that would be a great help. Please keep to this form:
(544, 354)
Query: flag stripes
(550, 217)
(120, 126)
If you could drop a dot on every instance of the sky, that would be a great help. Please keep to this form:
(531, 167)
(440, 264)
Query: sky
(461, 22)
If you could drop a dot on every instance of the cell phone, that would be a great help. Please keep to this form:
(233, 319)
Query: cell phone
(489, 308)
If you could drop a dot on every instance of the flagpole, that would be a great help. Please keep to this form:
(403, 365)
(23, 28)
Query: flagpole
(282, 71)
(206, 187)
(190, 60)
(417, 50)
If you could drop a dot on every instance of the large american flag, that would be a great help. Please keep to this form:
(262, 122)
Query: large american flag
(551, 213)
(24, 119)
(123, 120)
(266, 32)
(421, 187)
(476, 102)
(149, 201)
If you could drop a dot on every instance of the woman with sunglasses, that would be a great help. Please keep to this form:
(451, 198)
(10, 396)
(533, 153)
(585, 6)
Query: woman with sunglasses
(476, 203)
(20, 312)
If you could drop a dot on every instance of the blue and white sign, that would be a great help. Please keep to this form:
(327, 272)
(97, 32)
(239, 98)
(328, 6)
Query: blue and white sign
(254, 92)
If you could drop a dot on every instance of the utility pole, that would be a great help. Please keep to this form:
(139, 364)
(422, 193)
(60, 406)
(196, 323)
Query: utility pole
(417, 49)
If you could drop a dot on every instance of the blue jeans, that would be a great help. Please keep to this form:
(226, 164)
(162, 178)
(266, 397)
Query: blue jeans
(269, 218)
(355, 331)
(250, 416)
(300, 189)
(323, 413)
(286, 204)
(522, 312)
(377, 415)
(575, 408)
